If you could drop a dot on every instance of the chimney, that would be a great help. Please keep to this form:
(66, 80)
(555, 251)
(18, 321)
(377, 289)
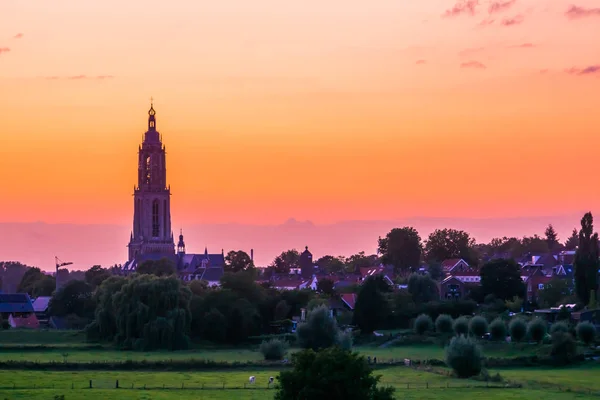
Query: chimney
(252, 254)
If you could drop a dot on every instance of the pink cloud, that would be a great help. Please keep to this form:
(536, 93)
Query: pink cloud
(104, 77)
(513, 21)
(77, 77)
(591, 70)
(575, 12)
(473, 64)
(499, 6)
(462, 7)
(421, 62)
(486, 22)
(18, 36)
(4, 50)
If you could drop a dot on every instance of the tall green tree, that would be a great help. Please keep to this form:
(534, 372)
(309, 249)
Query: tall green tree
(236, 261)
(502, 278)
(552, 238)
(36, 283)
(586, 260)
(331, 264)
(319, 331)
(360, 260)
(554, 291)
(422, 288)
(372, 306)
(572, 241)
(286, 260)
(333, 374)
(96, 275)
(162, 267)
(402, 248)
(75, 297)
(443, 244)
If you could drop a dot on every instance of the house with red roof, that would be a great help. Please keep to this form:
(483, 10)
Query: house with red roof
(452, 264)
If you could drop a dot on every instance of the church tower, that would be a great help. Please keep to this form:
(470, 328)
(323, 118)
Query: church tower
(151, 198)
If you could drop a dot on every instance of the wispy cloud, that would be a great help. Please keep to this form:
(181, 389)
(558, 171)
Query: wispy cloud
(4, 50)
(18, 36)
(462, 7)
(499, 6)
(473, 64)
(486, 22)
(522, 46)
(575, 12)
(513, 21)
(421, 62)
(591, 70)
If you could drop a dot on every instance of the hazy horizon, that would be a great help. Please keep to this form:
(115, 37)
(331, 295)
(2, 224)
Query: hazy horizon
(105, 244)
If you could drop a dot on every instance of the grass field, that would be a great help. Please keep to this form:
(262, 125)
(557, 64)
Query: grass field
(410, 384)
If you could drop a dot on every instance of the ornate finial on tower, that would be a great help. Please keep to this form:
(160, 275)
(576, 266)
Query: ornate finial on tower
(181, 243)
(151, 118)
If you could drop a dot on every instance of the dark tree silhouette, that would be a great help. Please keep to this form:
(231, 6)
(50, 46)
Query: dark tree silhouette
(402, 248)
(586, 260)
(238, 261)
(502, 278)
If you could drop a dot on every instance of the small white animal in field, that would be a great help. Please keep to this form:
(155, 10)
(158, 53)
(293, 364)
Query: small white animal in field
(271, 379)
(251, 380)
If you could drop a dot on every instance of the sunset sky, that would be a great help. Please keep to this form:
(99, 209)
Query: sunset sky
(321, 110)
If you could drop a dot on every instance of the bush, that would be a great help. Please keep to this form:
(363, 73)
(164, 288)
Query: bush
(564, 348)
(461, 326)
(559, 327)
(498, 330)
(344, 340)
(443, 323)
(517, 329)
(536, 329)
(478, 326)
(273, 349)
(319, 331)
(586, 332)
(423, 324)
(464, 357)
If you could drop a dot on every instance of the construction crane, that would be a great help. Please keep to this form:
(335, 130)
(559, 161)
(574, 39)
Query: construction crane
(59, 263)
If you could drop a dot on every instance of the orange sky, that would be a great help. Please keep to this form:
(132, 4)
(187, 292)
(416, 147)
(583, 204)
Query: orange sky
(321, 110)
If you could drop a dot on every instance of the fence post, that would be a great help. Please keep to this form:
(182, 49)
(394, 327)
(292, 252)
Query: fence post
(90, 383)
(426, 385)
(72, 385)
(117, 384)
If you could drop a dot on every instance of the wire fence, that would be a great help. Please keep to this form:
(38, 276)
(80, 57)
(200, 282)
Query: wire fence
(122, 385)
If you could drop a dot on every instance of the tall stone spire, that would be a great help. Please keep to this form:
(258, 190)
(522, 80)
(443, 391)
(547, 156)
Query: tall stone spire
(152, 204)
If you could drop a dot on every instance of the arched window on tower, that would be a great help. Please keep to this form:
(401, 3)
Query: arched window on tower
(155, 218)
(148, 169)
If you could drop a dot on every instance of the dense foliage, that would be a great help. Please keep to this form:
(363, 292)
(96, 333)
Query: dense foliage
(145, 313)
(536, 329)
(319, 331)
(502, 278)
(402, 248)
(333, 374)
(463, 355)
(517, 329)
(587, 260)
(372, 306)
(273, 349)
(423, 324)
(443, 324)
(564, 348)
(498, 330)
(461, 326)
(559, 327)
(586, 332)
(478, 326)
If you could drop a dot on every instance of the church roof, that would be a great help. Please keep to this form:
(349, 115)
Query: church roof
(19, 302)
(210, 274)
